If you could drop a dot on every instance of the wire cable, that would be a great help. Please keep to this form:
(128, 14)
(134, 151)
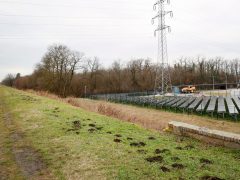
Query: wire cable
(66, 17)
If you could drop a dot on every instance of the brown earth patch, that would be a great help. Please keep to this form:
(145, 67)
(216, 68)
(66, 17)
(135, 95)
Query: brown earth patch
(117, 140)
(159, 151)
(99, 128)
(179, 148)
(29, 161)
(210, 178)
(164, 169)
(91, 130)
(205, 161)
(118, 135)
(16, 136)
(154, 159)
(151, 138)
(92, 125)
(137, 144)
(76, 125)
(177, 166)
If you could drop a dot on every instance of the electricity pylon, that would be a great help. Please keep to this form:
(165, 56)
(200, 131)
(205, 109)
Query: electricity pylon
(163, 80)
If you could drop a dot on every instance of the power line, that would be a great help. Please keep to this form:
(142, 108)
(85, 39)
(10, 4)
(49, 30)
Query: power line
(36, 4)
(64, 25)
(64, 17)
(59, 5)
(46, 4)
(163, 80)
(72, 38)
(82, 36)
(77, 35)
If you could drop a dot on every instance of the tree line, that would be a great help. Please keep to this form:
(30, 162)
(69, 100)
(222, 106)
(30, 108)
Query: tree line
(70, 73)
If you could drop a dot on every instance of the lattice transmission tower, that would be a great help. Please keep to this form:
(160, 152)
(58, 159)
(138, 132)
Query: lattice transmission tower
(163, 80)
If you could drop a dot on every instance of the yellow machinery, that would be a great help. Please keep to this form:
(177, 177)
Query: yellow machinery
(189, 89)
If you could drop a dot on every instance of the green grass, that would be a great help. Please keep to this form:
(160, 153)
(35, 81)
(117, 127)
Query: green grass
(72, 153)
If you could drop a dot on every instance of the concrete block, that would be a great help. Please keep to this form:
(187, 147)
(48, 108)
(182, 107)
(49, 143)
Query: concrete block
(215, 137)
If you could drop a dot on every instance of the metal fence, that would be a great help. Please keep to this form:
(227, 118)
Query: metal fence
(215, 106)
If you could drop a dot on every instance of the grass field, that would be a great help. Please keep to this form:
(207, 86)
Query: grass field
(65, 142)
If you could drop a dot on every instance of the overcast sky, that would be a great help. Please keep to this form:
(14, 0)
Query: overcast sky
(114, 29)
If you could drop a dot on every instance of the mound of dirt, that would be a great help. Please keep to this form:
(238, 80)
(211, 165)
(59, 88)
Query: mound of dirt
(99, 128)
(154, 159)
(117, 140)
(91, 130)
(210, 178)
(151, 138)
(164, 169)
(179, 148)
(76, 124)
(205, 161)
(159, 151)
(92, 125)
(177, 166)
(142, 144)
(138, 144)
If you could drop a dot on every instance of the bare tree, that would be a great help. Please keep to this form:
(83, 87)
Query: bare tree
(9, 80)
(57, 68)
(93, 67)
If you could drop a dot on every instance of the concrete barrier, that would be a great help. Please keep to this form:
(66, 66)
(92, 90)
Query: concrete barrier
(215, 137)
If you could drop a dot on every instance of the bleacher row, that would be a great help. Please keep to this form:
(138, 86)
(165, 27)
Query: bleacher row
(218, 105)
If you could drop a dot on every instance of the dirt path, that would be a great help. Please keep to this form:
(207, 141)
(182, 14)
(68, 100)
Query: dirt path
(28, 160)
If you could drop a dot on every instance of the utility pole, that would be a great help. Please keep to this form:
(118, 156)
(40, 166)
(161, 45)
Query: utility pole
(226, 75)
(213, 82)
(238, 83)
(226, 82)
(163, 80)
(85, 91)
